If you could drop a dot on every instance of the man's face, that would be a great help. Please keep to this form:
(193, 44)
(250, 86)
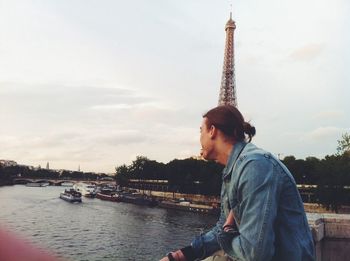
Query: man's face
(206, 141)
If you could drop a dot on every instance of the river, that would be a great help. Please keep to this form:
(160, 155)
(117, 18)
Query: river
(96, 229)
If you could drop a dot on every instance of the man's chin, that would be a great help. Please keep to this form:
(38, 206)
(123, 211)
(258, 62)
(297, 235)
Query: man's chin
(206, 156)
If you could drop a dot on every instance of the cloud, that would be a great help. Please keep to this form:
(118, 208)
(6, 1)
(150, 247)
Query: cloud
(82, 90)
(69, 124)
(330, 114)
(67, 94)
(142, 108)
(82, 146)
(121, 137)
(323, 133)
(121, 106)
(52, 105)
(307, 53)
(183, 154)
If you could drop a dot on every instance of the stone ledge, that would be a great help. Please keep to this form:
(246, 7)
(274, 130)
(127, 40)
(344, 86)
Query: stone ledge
(329, 226)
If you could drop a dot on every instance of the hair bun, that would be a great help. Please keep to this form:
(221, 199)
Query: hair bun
(249, 129)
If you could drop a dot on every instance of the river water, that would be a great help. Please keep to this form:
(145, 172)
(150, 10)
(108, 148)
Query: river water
(96, 229)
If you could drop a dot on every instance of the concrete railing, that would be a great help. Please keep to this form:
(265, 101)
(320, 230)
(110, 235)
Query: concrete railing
(331, 233)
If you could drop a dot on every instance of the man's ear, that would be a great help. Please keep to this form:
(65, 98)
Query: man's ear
(213, 131)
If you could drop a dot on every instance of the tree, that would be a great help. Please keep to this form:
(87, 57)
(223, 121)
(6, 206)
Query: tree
(137, 167)
(334, 172)
(121, 175)
(344, 144)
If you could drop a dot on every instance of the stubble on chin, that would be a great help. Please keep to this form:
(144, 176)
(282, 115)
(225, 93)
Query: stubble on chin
(205, 155)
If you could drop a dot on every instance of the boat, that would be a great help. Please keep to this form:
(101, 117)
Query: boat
(108, 193)
(188, 206)
(37, 184)
(115, 197)
(87, 190)
(71, 195)
(138, 199)
(106, 188)
(67, 184)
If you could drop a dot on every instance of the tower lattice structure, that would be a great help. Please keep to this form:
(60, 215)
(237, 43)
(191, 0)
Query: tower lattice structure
(227, 94)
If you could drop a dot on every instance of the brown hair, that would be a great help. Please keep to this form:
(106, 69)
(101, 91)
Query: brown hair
(230, 121)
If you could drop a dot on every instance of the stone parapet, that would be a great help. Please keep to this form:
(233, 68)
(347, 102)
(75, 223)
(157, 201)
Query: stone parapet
(331, 233)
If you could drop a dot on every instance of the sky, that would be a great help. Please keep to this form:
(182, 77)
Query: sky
(94, 83)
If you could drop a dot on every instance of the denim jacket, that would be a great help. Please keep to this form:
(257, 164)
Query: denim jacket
(268, 210)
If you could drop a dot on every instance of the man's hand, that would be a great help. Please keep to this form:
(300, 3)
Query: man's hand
(177, 255)
(230, 222)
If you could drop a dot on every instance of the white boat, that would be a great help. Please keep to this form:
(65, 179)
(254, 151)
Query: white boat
(87, 190)
(37, 184)
(67, 184)
(71, 195)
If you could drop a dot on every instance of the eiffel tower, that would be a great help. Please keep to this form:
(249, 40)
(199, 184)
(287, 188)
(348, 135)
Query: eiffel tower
(227, 94)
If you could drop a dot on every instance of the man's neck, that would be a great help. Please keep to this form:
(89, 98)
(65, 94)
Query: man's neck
(225, 153)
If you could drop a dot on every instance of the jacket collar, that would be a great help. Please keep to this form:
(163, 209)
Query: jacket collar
(235, 152)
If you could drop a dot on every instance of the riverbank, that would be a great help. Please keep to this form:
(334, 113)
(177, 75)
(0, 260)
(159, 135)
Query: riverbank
(203, 202)
(6, 183)
(316, 208)
(214, 201)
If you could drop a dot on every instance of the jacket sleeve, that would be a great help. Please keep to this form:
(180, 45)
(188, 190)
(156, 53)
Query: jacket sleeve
(257, 193)
(206, 244)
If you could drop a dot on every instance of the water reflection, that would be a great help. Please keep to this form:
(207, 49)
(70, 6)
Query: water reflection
(95, 229)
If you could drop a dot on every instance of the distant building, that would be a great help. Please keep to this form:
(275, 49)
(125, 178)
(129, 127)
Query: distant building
(8, 163)
(199, 157)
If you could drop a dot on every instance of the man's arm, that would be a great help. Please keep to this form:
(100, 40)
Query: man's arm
(203, 245)
(206, 244)
(257, 190)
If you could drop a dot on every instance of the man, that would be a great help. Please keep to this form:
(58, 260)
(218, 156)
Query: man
(262, 215)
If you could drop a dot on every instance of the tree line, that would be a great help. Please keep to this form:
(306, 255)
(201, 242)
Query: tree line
(185, 176)
(327, 179)
(8, 173)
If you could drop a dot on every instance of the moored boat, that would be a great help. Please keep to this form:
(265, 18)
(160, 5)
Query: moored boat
(187, 206)
(110, 197)
(37, 184)
(108, 193)
(87, 190)
(67, 184)
(71, 195)
(138, 199)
